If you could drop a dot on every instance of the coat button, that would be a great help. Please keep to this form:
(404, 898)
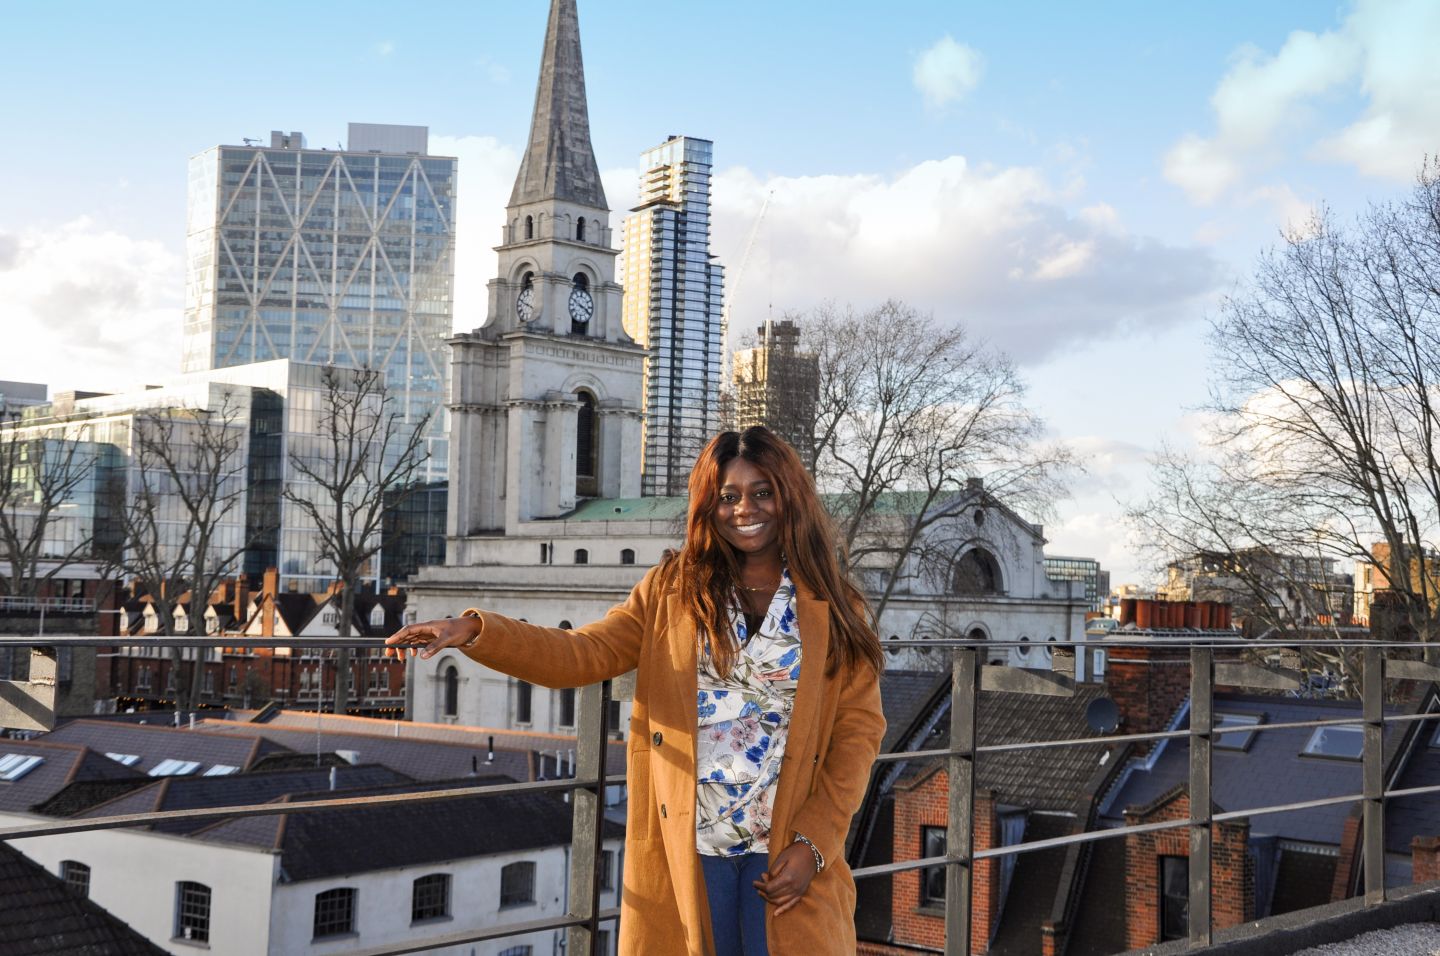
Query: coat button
(662, 810)
(657, 737)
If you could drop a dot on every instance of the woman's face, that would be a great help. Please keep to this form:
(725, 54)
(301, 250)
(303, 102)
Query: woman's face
(749, 514)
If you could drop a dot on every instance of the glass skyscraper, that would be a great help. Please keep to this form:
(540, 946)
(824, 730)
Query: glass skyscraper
(343, 257)
(673, 305)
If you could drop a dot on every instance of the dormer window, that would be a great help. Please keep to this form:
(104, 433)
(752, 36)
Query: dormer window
(377, 616)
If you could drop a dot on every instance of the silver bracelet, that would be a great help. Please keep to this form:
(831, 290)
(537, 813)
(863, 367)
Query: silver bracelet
(819, 859)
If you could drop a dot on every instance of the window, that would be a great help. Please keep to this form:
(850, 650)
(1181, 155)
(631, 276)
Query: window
(587, 440)
(220, 770)
(1237, 740)
(234, 678)
(76, 876)
(1174, 897)
(1435, 738)
(976, 572)
(335, 912)
(567, 707)
(544, 553)
(627, 556)
(517, 883)
(452, 691)
(126, 759)
(580, 229)
(529, 227)
(932, 878)
(431, 897)
(1024, 649)
(582, 556)
(524, 693)
(15, 766)
(1344, 742)
(377, 617)
(607, 870)
(517, 951)
(170, 767)
(192, 911)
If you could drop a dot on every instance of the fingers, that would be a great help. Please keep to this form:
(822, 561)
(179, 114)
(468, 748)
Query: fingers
(429, 637)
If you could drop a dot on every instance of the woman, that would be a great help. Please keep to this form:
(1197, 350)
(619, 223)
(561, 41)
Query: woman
(756, 714)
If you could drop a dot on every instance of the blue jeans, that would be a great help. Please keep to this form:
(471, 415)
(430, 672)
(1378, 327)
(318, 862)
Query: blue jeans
(737, 910)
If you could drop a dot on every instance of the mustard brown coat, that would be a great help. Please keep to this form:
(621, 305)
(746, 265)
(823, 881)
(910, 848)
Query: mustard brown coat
(835, 731)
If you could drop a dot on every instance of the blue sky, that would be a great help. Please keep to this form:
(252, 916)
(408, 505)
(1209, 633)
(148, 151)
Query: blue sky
(1079, 183)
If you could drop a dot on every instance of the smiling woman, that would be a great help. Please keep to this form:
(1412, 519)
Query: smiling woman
(756, 713)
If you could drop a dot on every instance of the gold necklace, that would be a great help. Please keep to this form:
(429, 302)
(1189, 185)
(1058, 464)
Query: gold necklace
(771, 587)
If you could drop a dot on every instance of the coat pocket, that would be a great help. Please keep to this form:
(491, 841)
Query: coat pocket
(640, 812)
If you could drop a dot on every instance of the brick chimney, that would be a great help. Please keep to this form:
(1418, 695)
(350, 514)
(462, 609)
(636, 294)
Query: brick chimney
(1148, 684)
(1425, 859)
(269, 589)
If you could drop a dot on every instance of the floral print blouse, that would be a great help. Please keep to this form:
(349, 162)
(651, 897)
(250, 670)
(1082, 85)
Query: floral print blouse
(744, 719)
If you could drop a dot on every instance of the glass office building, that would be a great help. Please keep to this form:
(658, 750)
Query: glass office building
(672, 305)
(343, 257)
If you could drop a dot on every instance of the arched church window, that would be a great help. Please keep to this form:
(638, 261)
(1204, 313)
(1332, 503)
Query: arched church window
(627, 556)
(580, 229)
(582, 556)
(529, 227)
(452, 691)
(977, 572)
(587, 440)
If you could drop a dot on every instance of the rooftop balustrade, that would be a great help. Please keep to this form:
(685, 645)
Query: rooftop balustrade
(1213, 660)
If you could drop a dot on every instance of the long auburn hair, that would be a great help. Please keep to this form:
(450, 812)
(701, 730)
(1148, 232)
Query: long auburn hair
(710, 572)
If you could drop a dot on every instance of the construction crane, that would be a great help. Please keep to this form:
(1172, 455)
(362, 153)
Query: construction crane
(732, 287)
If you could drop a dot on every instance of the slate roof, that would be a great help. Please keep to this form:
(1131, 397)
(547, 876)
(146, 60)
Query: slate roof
(330, 843)
(193, 793)
(40, 916)
(1271, 771)
(416, 759)
(1033, 885)
(154, 743)
(475, 737)
(61, 765)
(81, 795)
(1407, 817)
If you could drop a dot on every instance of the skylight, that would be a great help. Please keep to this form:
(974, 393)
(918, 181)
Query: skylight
(1345, 741)
(126, 759)
(174, 768)
(1236, 740)
(220, 770)
(15, 766)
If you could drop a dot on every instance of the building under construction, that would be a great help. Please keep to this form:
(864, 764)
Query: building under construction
(776, 385)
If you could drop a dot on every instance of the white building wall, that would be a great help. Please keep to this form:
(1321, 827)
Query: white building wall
(134, 875)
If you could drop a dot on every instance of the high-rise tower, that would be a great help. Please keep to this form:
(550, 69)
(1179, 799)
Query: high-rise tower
(327, 256)
(673, 297)
(545, 396)
(777, 385)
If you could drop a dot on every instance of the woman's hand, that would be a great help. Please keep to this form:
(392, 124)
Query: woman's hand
(787, 880)
(428, 638)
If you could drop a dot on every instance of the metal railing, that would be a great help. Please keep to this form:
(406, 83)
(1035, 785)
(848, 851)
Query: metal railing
(970, 675)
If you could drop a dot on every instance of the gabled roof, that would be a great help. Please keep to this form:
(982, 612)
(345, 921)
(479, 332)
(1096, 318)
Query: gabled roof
(363, 838)
(60, 765)
(41, 916)
(154, 743)
(193, 793)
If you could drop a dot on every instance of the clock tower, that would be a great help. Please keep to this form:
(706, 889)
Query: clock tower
(546, 396)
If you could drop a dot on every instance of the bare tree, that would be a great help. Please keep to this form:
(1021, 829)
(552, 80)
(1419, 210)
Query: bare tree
(184, 519)
(43, 472)
(1325, 435)
(910, 411)
(364, 464)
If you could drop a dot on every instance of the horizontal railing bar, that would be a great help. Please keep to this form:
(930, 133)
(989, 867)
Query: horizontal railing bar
(481, 936)
(122, 821)
(1177, 641)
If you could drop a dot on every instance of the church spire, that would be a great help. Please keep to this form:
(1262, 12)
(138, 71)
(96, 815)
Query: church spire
(559, 162)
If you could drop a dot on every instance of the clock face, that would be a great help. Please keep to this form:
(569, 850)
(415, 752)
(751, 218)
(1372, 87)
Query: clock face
(581, 306)
(525, 304)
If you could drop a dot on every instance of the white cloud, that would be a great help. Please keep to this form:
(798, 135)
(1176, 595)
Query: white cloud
(1270, 108)
(485, 178)
(385, 48)
(947, 71)
(86, 306)
(996, 248)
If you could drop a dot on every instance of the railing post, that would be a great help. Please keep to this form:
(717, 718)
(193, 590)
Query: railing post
(960, 824)
(1202, 722)
(1372, 687)
(588, 815)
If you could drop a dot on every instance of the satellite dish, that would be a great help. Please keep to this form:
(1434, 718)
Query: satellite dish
(1102, 715)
